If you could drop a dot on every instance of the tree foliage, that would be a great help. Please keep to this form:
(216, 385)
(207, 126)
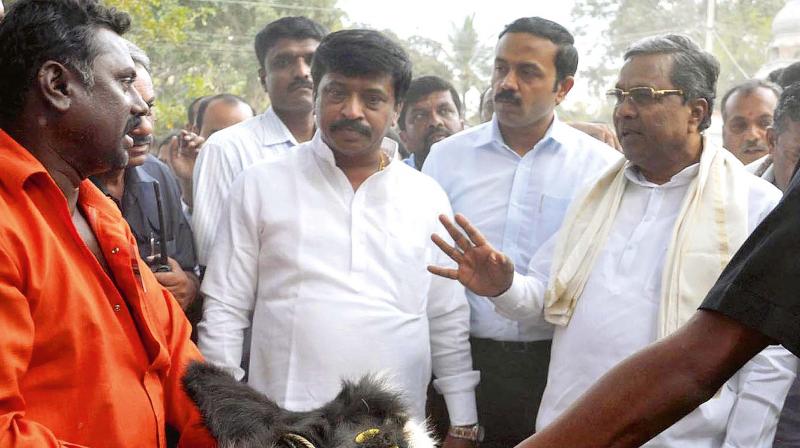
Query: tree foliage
(742, 32)
(202, 47)
(469, 57)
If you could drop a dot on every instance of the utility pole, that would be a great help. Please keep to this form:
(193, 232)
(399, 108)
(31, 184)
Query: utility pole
(710, 11)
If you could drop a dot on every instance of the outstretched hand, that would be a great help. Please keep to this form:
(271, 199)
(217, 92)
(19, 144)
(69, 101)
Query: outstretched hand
(481, 268)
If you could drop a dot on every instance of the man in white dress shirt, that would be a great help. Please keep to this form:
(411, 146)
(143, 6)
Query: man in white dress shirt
(640, 248)
(322, 252)
(514, 176)
(284, 49)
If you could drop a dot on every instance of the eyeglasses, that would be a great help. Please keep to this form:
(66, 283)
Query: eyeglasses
(641, 96)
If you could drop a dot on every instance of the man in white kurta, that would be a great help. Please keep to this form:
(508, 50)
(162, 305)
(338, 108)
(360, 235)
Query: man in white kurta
(330, 272)
(639, 249)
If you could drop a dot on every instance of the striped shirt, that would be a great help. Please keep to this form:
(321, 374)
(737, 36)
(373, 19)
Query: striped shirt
(226, 154)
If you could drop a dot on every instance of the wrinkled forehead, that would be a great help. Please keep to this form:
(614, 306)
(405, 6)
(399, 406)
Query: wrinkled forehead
(646, 70)
(434, 99)
(759, 101)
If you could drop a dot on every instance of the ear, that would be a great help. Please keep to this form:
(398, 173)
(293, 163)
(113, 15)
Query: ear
(233, 412)
(57, 85)
(262, 78)
(698, 110)
(563, 89)
(772, 140)
(398, 106)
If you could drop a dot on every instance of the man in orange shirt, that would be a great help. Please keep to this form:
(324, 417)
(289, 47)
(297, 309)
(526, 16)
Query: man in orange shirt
(92, 348)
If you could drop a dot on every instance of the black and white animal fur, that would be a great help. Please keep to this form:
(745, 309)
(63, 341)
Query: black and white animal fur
(239, 417)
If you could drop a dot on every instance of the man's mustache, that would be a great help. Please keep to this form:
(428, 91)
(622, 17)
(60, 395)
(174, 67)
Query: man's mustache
(437, 130)
(300, 83)
(754, 146)
(353, 125)
(132, 124)
(142, 140)
(507, 96)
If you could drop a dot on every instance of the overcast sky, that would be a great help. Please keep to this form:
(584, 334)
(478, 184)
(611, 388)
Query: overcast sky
(434, 18)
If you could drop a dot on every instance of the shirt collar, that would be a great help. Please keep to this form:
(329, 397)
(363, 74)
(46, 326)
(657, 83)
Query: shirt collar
(325, 153)
(491, 135)
(133, 175)
(274, 131)
(683, 177)
(17, 162)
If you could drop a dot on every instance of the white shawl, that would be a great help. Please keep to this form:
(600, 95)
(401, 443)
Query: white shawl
(712, 224)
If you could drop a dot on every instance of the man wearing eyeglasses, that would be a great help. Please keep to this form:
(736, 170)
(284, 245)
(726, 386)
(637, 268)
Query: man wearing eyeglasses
(639, 250)
(515, 176)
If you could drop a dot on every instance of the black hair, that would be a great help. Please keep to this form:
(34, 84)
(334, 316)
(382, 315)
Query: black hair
(775, 75)
(422, 87)
(36, 31)
(746, 88)
(694, 71)
(297, 28)
(361, 52)
(193, 108)
(567, 55)
(788, 108)
(789, 75)
(227, 98)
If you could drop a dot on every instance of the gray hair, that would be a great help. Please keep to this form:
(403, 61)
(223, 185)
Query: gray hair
(694, 71)
(139, 56)
(748, 87)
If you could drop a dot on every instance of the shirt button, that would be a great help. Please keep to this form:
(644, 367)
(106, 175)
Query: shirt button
(117, 308)
(115, 250)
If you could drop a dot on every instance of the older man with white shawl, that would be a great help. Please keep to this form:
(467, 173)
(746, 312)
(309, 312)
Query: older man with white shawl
(640, 249)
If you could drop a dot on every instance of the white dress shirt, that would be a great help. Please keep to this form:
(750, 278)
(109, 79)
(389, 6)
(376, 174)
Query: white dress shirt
(334, 283)
(617, 315)
(517, 202)
(226, 154)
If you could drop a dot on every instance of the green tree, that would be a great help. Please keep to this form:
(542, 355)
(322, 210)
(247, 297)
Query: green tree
(742, 33)
(202, 47)
(469, 57)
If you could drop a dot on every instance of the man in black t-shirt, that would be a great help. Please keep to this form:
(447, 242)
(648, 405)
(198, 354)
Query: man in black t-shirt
(755, 303)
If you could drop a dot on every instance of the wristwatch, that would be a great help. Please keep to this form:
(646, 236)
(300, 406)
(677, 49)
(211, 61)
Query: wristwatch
(471, 432)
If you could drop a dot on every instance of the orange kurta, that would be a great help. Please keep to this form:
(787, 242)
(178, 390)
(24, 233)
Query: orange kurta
(85, 358)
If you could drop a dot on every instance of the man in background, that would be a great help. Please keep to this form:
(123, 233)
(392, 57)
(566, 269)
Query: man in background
(284, 49)
(746, 114)
(431, 112)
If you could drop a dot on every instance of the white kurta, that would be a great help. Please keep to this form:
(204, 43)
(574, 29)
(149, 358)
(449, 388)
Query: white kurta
(617, 315)
(336, 283)
(223, 157)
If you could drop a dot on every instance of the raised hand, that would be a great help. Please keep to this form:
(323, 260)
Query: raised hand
(183, 153)
(481, 268)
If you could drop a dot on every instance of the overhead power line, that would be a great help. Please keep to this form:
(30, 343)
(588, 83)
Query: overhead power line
(271, 4)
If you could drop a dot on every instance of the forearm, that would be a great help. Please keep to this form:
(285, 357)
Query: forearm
(186, 191)
(448, 315)
(654, 388)
(221, 334)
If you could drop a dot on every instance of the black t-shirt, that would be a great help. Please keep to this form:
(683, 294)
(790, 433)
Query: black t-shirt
(760, 287)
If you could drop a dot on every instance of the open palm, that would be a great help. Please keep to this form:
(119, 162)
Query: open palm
(481, 268)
